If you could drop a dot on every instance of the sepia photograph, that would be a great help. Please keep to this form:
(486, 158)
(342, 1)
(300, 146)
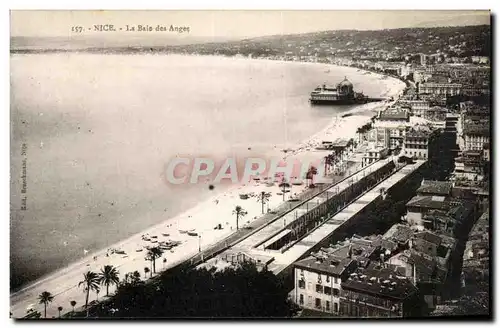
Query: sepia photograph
(238, 164)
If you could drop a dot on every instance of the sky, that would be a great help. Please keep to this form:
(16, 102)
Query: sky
(233, 24)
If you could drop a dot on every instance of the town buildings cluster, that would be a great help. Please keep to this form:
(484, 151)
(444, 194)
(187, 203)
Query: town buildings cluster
(443, 118)
(416, 266)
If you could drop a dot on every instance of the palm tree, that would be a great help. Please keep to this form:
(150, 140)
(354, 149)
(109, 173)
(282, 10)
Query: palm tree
(45, 298)
(263, 199)
(136, 275)
(73, 303)
(326, 162)
(239, 212)
(283, 185)
(127, 277)
(153, 254)
(310, 175)
(59, 308)
(146, 270)
(109, 276)
(90, 282)
(329, 160)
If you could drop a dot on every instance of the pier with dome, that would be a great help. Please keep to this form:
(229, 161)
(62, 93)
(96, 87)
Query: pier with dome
(341, 94)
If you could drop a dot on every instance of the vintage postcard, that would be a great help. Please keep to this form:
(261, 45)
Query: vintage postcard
(249, 164)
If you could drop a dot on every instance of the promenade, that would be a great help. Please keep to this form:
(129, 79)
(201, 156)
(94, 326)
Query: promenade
(256, 244)
(64, 283)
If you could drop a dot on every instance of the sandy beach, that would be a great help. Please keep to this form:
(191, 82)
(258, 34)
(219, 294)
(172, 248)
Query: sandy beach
(201, 219)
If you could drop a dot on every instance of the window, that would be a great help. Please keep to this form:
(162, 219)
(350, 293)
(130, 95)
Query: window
(335, 292)
(318, 303)
(328, 305)
(336, 307)
(319, 289)
(302, 284)
(327, 278)
(335, 279)
(328, 291)
(319, 278)
(301, 299)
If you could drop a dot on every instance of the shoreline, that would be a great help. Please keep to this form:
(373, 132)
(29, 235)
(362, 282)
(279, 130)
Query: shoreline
(337, 123)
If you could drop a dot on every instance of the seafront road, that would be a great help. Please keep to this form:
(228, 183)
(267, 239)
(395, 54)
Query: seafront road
(63, 284)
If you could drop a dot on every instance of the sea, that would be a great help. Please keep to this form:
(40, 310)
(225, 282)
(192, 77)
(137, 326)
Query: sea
(91, 134)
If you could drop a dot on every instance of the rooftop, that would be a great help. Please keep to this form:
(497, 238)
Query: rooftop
(399, 233)
(357, 246)
(381, 281)
(328, 264)
(439, 85)
(418, 133)
(426, 266)
(430, 202)
(477, 130)
(461, 210)
(384, 244)
(435, 187)
(439, 216)
(394, 114)
(429, 237)
(438, 109)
